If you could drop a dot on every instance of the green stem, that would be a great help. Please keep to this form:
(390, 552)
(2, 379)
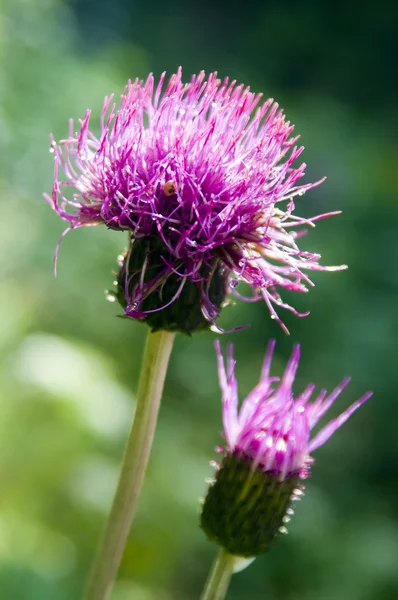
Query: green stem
(110, 552)
(219, 577)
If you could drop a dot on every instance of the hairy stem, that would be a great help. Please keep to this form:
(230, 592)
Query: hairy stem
(219, 577)
(110, 552)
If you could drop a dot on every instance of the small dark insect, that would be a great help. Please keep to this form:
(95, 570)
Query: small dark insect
(169, 189)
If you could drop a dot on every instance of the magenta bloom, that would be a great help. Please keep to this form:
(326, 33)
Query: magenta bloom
(272, 428)
(204, 171)
(267, 456)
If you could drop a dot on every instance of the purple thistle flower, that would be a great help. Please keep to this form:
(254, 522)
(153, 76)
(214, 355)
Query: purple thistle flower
(267, 457)
(206, 170)
(272, 427)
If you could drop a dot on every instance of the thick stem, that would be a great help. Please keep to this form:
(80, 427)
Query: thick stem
(219, 577)
(153, 373)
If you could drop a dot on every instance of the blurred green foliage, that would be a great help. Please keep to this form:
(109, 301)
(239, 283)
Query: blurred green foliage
(69, 367)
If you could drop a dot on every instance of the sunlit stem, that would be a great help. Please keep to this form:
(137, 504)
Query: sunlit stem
(219, 577)
(110, 552)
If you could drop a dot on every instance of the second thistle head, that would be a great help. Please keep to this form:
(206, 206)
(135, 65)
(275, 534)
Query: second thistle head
(267, 456)
(203, 176)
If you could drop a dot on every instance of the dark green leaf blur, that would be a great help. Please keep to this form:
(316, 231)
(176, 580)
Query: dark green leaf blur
(69, 366)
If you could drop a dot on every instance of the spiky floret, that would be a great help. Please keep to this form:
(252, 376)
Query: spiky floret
(203, 168)
(267, 456)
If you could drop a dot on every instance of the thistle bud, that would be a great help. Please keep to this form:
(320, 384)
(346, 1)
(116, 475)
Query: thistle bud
(151, 292)
(245, 508)
(267, 457)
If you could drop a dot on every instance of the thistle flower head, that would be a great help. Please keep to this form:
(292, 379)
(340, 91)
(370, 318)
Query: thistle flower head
(267, 456)
(205, 172)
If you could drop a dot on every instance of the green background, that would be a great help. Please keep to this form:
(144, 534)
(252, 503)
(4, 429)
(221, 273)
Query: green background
(69, 367)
